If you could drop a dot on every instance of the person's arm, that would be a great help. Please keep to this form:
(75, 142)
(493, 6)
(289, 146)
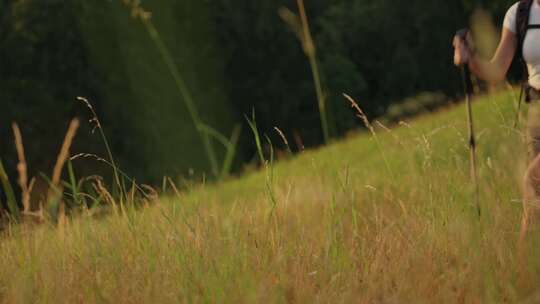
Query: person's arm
(494, 70)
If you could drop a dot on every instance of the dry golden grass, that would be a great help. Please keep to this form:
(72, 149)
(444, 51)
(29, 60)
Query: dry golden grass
(22, 169)
(339, 229)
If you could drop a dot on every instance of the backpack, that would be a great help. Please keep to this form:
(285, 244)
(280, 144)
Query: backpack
(522, 24)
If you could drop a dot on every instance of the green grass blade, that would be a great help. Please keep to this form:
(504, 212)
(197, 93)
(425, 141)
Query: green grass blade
(52, 206)
(229, 144)
(231, 151)
(253, 126)
(186, 94)
(73, 183)
(215, 134)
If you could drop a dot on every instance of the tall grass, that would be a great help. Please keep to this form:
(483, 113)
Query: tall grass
(267, 164)
(9, 193)
(22, 170)
(300, 24)
(55, 191)
(97, 126)
(342, 230)
(206, 133)
(85, 195)
(364, 119)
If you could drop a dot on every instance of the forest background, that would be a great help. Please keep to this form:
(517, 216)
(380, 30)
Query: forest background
(237, 58)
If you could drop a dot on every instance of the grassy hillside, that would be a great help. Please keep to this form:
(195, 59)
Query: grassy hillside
(384, 219)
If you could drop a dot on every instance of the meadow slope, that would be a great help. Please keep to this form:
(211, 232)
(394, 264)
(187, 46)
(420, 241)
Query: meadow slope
(371, 219)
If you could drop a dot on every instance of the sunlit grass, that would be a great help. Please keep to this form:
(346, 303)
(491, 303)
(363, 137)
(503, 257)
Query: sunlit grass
(342, 229)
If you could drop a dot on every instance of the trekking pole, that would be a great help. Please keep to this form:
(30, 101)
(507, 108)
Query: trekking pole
(468, 88)
(518, 111)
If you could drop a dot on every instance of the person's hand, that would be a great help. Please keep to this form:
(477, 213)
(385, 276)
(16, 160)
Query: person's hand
(462, 51)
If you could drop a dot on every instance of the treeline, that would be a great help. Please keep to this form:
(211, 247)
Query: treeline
(238, 57)
(379, 51)
(53, 51)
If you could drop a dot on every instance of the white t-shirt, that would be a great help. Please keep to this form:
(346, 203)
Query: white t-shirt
(531, 46)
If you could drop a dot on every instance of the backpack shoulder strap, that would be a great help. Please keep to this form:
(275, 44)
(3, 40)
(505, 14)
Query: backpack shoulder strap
(522, 25)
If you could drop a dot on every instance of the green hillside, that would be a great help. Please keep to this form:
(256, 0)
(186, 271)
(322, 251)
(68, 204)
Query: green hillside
(384, 218)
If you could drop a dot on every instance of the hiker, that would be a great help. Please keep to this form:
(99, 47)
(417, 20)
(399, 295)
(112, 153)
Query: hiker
(520, 39)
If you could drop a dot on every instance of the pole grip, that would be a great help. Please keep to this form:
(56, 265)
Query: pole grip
(466, 72)
(462, 33)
